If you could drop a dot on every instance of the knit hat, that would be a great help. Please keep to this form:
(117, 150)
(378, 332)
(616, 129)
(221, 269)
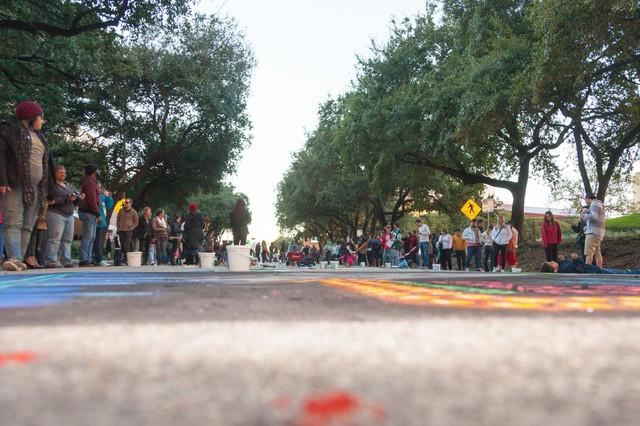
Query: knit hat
(27, 109)
(590, 196)
(90, 169)
(193, 206)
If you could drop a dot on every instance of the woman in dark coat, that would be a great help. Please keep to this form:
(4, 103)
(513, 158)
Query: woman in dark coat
(193, 234)
(240, 218)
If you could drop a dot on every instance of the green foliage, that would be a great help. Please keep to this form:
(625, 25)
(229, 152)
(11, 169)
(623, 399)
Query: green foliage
(171, 110)
(162, 91)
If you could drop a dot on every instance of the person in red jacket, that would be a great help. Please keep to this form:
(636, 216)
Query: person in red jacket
(89, 213)
(551, 237)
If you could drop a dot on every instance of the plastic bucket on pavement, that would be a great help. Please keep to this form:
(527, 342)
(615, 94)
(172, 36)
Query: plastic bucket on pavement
(134, 258)
(206, 260)
(239, 258)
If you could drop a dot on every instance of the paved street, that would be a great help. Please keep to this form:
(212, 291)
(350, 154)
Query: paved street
(185, 346)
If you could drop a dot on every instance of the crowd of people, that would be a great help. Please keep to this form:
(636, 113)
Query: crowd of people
(38, 205)
(37, 209)
(420, 248)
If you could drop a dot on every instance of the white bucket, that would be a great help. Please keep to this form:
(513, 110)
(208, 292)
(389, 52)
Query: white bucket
(387, 265)
(134, 258)
(435, 267)
(239, 259)
(206, 260)
(323, 265)
(516, 270)
(334, 264)
(363, 264)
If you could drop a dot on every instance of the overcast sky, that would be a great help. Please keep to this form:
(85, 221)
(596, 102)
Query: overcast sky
(306, 52)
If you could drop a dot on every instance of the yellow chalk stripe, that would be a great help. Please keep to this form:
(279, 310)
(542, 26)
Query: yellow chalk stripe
(425, 296)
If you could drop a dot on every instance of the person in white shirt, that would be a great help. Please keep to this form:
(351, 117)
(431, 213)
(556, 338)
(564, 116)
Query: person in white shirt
(445, 242)
(423, 240)
(501, 235)
(488, 249)
(474, 244)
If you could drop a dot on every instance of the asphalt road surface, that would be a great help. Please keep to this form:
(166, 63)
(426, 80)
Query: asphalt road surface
(180, 346)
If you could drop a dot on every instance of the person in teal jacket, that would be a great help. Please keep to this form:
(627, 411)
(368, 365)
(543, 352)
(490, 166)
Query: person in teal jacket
(106, 203)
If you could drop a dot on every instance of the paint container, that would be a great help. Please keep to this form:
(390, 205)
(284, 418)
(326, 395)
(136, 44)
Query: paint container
(334, 264)
(516, 270)
(323, 265)
(134, 258)
(206, 260)
(387, 265)
(239, 258)
(363, 264)
(436, 268)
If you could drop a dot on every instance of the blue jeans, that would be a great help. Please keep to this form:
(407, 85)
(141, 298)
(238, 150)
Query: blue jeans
(395, 257)
(59, 237)
(424, 249)
(97, 244)
(89, 222)
(18, 222)
(475, 252)
(488, 258)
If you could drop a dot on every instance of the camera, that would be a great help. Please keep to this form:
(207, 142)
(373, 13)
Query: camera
(74, 194)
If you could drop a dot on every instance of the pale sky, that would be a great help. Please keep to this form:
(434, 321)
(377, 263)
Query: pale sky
(306, 52)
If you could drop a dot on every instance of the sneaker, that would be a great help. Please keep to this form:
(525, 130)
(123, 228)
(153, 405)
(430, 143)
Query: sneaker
(85, 264)
(102, 263)
(50, 266)
(466, 269)
(70, 265)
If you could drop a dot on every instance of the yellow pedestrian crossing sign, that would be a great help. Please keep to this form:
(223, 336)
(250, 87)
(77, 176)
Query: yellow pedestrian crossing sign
(470, 209)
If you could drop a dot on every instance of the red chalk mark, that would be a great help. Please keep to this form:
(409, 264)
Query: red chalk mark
(17, 357)
(338, 408)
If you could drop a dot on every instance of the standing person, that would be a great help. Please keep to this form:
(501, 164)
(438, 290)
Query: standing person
(193, 234)
(175, 236)
(488, 249)
(387, 244)
(240, 220)
(108, 244)
(25, 165)
(445, 242)
(117, 256)
(62, 201)
(460, 248)
(89, 213)
(126, 224)
(396, 235)
(144, 233)
(551, 237)
(106, 203)
(594, 231)
(512, 246)
(578, 228)
(161, 233)
(34, 258)
(501, 236)
(423, 235)
(362, 250)
(472, 235)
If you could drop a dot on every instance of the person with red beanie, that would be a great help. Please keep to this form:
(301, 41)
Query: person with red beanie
(25, 168)
(193, 234)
